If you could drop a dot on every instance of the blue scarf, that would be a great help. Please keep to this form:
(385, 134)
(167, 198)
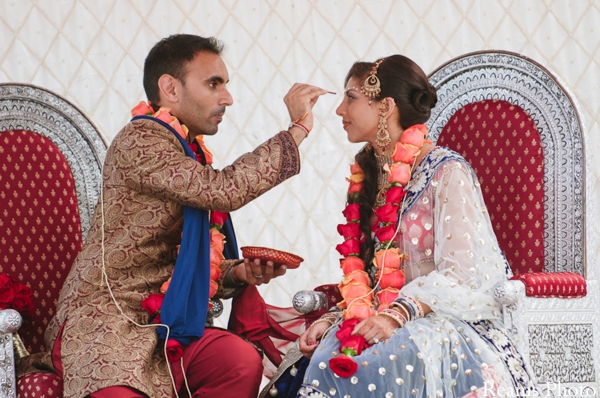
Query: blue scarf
(185, 305)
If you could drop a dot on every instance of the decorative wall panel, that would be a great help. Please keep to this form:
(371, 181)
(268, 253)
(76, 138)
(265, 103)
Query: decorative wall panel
(562, 353)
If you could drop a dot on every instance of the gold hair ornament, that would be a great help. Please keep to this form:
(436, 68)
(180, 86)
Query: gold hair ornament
(372, 86)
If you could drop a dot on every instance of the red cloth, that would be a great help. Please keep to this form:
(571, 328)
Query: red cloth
(117, 392)
(553, 284)
(249, 318)
(219, 364)
(503, 145)
(40, 384)
(332, 292)
(39, 219)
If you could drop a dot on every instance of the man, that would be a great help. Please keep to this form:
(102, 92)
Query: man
(104, 343)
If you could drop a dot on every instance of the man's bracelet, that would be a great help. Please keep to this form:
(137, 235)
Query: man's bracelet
(300, 125)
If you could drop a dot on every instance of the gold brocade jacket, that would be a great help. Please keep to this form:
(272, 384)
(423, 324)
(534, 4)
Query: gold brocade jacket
(147, 179)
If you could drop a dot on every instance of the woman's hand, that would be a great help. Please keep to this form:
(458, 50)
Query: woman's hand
(309, 340)
(376, 328)
(256, 272)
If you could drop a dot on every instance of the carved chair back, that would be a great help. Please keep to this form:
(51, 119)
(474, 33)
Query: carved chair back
(50, 161)
(520, 131)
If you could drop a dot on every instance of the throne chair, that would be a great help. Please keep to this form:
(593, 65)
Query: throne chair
(50, 161)
(522, 132)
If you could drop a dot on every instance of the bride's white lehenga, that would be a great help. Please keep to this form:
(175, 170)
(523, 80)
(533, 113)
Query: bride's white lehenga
(460, 349)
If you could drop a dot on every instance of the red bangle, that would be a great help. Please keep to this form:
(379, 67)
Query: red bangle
(303, 127)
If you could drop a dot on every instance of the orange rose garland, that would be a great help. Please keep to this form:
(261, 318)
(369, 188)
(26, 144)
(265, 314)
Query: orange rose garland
(355, 288)
(217, 219)
(164, 115)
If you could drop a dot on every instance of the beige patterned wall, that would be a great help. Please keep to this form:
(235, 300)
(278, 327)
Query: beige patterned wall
(92, 52)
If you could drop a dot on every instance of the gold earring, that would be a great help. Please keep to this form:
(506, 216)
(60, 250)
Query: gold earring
(382, 140)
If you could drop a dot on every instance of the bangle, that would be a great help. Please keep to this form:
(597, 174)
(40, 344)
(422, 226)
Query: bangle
(396, 305)
(300, 118)
(409, 306)
(303, 127)
(395, 315)
(417, 308)
(329, 320)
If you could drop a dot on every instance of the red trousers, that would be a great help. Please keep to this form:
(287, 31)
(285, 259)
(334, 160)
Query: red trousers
(219, 364)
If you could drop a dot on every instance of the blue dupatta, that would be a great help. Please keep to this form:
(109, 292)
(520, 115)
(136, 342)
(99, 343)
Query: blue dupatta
(185, 306)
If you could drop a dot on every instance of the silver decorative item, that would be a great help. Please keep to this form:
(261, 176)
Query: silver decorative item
(307, 301)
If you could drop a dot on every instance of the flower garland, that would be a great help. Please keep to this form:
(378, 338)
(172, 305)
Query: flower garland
(164, 115)
(355, 288)
(153, 303)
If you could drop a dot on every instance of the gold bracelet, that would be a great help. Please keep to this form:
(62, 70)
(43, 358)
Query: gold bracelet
(395, 315)
(323, 319)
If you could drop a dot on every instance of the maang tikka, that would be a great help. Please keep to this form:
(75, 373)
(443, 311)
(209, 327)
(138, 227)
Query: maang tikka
(382, 140)
(372, 86)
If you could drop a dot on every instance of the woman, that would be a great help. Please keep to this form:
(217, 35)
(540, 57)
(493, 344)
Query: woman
(420, 260)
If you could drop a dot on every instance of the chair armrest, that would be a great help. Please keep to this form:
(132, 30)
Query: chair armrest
(308, 301)
(509, 292)
(10, 321)
(320, 299)
(553, 284)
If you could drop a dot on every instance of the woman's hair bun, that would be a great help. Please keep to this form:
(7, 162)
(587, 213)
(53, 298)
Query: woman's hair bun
(421, 101)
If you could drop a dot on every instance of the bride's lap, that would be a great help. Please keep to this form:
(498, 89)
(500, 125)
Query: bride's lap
(398, 367)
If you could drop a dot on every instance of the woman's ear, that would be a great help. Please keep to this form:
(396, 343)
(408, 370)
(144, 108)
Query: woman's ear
(168, 87)
(387, 106)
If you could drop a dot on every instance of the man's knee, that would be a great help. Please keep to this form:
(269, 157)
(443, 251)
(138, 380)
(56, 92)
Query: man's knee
(243, 356)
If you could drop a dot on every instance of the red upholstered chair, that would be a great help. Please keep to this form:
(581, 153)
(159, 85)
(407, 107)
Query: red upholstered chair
(50, 161)
(521, 131)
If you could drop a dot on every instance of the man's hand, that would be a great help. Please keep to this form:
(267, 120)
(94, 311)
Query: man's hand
(256, 272)
(300, 100)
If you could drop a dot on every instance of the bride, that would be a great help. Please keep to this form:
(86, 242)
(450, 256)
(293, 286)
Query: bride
(420, 260)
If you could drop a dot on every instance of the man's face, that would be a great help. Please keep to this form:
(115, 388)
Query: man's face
(204, 96)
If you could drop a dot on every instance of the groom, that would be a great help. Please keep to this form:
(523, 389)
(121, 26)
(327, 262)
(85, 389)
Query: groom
(157, 183)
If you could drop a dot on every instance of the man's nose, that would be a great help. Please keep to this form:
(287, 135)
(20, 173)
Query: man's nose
(226, 99)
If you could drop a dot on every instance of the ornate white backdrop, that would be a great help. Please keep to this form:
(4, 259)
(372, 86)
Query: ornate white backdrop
(92, 53)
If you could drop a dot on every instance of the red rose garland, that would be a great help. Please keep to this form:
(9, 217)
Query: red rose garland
(152, 304)
(359, 301)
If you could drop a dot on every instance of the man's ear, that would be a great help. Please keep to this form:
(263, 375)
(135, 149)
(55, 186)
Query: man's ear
(168, 87)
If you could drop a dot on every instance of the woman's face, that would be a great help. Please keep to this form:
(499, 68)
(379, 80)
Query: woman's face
(359, 118)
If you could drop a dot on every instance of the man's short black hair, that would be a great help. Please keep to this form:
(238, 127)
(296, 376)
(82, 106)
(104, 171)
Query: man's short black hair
(170, 56)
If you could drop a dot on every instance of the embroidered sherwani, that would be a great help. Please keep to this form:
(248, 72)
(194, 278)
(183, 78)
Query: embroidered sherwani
(147, 179)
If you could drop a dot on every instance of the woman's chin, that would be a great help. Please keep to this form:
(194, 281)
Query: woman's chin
(355, 140)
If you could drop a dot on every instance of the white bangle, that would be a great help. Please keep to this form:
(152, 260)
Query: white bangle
(293, 124)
